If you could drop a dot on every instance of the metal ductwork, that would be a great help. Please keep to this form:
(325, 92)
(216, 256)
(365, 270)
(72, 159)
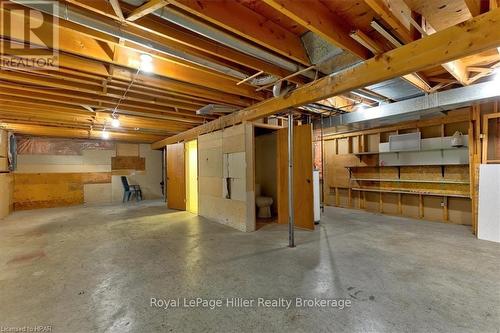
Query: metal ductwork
(65, 12)
(281, 88)
(413, 109)
(171, 15)
(216, 108)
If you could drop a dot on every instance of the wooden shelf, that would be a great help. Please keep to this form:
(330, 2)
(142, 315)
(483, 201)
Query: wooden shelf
(423, 150)
(407, 151)
(399, 166)
(367, 153)
(411, 192)
(445, 181)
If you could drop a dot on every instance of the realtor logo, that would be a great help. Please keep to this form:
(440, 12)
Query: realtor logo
(29, 37)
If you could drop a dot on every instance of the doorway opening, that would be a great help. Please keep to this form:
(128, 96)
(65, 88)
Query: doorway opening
(191, 158)
(266, 187)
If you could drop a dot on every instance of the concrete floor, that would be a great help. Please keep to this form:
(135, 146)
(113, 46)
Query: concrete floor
(95, 269)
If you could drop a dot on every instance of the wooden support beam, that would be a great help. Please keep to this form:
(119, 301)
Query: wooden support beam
(184, 40)
(240, 20)
(84, 43)
(470, 37)
(317, 18)
(67, 132)
(458, 70)
(379, 7)
(146, 9)
(408, 35)
(117, 9)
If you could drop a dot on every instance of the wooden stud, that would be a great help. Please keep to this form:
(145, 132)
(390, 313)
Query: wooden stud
(146, 9)
(317, 18)
(420, 206)
(476, 35)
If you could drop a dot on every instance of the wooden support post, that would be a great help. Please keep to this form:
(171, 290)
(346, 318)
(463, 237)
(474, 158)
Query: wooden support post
(400, 204)
(420, 206)
(380, 203)
(475, 158)
(445, 209)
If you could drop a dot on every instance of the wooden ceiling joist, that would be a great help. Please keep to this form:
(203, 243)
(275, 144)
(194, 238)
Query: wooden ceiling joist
(242, 21)
(316, 17)
(66, 132)
(471, 37)
(77, 42)
(115, 4)
(186, 41)
(405, 34)
(146, 9)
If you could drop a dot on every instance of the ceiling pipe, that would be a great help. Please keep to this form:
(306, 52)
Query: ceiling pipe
(205, 30)
(65, 12)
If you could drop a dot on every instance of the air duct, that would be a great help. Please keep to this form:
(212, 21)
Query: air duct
(65, 12)
(413, 109)
(216, 108)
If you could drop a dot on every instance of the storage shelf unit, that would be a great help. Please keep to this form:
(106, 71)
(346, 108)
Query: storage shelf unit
(444, 181)
(424, 177)
(456, 195)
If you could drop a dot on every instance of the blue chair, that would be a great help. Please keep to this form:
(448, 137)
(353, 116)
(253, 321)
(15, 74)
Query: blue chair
(129, 190)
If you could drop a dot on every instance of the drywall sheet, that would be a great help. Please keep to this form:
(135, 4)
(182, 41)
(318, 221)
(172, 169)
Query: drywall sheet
(489, 201)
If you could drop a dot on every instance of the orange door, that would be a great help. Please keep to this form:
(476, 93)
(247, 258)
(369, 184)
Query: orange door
(176, 179)
(302, 176)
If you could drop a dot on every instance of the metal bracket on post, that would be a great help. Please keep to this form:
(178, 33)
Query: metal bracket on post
(291, 241)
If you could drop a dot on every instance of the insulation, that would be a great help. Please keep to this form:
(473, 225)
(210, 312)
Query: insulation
(58, 146)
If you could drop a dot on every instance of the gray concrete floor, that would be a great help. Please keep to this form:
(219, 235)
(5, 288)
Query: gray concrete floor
(95, 269)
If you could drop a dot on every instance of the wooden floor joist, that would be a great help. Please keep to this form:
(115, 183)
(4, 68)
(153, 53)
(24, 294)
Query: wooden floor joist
(473, 36)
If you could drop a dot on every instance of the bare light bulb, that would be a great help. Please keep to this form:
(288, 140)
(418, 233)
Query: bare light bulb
(146, 63)
(105, 134)
(115, 122)
(146, 58)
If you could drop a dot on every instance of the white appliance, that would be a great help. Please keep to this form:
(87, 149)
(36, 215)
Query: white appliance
(316, 197)
(489, 203)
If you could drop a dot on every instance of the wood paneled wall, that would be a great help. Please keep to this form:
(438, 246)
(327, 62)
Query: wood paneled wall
(46, 190)
(352, 179)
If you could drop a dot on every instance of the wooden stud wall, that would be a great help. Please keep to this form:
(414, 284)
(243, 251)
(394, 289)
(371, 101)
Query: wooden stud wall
(355, 180)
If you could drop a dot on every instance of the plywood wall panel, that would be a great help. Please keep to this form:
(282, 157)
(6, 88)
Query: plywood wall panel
(410, 205)
(433, 209)
(459, 211)
(128, 163)
(390, 203)
(3, 143)
(6, 194)
(45, 190)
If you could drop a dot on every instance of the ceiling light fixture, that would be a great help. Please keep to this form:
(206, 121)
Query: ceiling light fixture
(115, 122)
(146, 63)
(105, 134)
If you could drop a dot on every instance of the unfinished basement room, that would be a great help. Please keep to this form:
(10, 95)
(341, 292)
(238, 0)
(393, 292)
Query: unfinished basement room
(250, 166)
